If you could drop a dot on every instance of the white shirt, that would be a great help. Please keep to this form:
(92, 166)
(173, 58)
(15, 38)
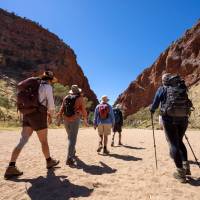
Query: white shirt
(46, 97)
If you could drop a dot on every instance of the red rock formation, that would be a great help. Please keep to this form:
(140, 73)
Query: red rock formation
(182, 57)
(26, 48)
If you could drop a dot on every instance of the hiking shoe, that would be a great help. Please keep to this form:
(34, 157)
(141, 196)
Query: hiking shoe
(52, 163)
(70, 162)
(99, 148)
(105, 151)
(180, 175)
(112, 144)
(186, 166)
(12, 171)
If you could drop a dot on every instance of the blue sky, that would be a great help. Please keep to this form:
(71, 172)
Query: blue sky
(114, 40)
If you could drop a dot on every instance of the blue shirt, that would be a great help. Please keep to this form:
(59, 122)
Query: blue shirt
(109, 120)
(160, 98)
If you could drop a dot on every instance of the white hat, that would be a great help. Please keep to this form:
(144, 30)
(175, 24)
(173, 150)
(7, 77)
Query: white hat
(104, 99)
(75, 89)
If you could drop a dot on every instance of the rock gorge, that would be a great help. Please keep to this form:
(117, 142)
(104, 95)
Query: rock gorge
(26, 48)
(181, 57)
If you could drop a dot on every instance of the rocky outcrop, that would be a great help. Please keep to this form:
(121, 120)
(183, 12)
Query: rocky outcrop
(26, 49)
(182, 57)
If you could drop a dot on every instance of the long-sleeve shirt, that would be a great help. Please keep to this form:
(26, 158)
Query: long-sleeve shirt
(46, 97)
(109, 120)
(160, 98)
(79, 107)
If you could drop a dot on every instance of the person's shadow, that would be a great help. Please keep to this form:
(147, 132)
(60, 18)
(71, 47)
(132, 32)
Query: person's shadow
(131, 147)
(94, 169)
(124, 157)
(193, 182)
(54, 187)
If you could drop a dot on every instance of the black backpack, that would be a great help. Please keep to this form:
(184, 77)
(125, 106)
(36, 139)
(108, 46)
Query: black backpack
(27, 95)
(69, 105)
(177, 103)
(117, 115)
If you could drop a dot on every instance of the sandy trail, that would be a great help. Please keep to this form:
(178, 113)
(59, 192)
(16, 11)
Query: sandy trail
(128, 173)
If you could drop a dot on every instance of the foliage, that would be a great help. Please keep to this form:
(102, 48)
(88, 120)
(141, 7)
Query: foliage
(60, 91)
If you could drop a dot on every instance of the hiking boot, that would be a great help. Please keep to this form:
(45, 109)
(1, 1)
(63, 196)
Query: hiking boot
(70, 162)
(99, 148)
(186, 166)
(180, 175)
(112, 143)
(52, 163)
(12, 171)
(105, 151)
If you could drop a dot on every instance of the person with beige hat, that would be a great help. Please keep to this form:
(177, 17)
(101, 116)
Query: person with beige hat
(103, 120)
(72, 110)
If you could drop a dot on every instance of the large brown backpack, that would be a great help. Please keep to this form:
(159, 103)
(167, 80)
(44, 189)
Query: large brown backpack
(28, 96)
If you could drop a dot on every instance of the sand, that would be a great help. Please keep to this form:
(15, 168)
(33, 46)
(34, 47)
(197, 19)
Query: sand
(128, 173)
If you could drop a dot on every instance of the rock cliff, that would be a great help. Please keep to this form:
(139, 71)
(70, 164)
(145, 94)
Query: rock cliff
(181, 57)
(26, 48)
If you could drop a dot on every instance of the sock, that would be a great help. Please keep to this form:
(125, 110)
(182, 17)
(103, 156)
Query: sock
(48, 159)
(12, 164)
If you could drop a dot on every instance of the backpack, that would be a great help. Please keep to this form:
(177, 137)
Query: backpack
(103, 110)
(117, 115)
(69, 105)
(177, 103)
(28, 96)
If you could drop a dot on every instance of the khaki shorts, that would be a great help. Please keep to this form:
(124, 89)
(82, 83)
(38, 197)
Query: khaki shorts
(104, 129)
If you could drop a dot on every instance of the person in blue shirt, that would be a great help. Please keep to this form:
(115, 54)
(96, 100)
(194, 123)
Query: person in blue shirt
(104, 120)
(175, 128)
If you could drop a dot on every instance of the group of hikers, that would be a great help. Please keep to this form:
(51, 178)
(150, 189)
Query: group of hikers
(36, 103)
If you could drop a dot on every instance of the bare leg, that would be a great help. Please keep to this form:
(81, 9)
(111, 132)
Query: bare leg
(101, 139)
(42, 135)
(25, 134)
(120, 137)
(105, 141)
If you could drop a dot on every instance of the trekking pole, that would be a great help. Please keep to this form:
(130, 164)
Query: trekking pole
(192, 151)
(154, 141)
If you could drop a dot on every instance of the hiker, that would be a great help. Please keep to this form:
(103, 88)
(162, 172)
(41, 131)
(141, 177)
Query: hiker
(175, 120)
(35, 102)
(118, 124)
(72, 110)
(103, 120)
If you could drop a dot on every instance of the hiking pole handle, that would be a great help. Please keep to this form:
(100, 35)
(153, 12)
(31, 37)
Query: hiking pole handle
(192, 151)
(154, 141)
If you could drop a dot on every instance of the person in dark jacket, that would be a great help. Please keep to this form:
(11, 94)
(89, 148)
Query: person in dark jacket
(175, 128)
(118, 124)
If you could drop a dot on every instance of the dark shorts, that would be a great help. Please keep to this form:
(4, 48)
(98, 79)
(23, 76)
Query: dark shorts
(117, 128)
(36, 120)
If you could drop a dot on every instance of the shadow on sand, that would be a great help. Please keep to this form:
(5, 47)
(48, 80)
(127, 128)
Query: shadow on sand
(95, 169)
(194, 162)
(131, 147)
(124, 157)
(193, 182)
(53, 187)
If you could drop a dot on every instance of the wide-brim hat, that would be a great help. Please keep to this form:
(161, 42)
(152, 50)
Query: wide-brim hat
(49, 75)
(75, 89)
(104, 99)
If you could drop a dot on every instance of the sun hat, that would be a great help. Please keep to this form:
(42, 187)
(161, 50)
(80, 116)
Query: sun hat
(165, 78)
(75, 89)
(49, 75)
(104, 99)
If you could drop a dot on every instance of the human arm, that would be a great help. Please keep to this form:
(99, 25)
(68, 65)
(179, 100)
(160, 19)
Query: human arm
(157, 99)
